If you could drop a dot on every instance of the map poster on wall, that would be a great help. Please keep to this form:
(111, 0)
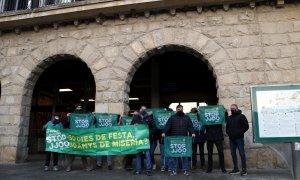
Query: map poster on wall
(276, 113)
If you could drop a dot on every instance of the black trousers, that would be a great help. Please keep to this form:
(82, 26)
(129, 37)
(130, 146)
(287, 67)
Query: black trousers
(48, 158)
(201, 151)
(129, 159)
(83, 159)
(220, 148)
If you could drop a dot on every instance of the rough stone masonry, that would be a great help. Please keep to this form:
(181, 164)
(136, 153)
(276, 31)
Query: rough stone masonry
(242, 47)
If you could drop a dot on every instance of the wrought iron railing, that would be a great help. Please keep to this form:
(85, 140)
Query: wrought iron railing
(16, 5)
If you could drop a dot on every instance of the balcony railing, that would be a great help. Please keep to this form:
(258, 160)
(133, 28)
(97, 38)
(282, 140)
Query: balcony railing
(16, 5)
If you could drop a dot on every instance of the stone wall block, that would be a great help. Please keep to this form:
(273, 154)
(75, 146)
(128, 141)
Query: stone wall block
(294, 37)
(122, 63)
(245, 78)
(129, 54)
(147, 42)
(210, 49)
(241, 30)
(296, 25)
(274, 76)
(138, 48)
(103, 74)
(100, 64)
(275, 39)
(219, 57)
(227, 79)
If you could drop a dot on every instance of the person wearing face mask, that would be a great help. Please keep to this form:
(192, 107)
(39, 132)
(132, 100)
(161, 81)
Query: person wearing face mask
(71, 157)
(144, 118)
(179, 124)
(237, 125)
(54, 122)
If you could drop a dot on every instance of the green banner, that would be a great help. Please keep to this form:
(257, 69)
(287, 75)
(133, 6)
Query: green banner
(178, 146)
(198, 125)
(115, 140)
(106, 119)
(81, 121)
(161, 118)
(126, 120)
(211, 115)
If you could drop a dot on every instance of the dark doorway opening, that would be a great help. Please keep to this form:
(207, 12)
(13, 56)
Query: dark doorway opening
(172, 77)
(51, 95)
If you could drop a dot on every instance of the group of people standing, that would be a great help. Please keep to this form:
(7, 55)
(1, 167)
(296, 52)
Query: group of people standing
(178, 124)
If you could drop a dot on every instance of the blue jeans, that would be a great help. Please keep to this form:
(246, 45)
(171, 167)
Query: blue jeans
(153, 144)
(164, 161)
(138, 161)
(238, 143)
(99, 160)
(173, 163)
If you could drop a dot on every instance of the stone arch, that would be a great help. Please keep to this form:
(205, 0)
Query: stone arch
(26, 75)
(139, 50)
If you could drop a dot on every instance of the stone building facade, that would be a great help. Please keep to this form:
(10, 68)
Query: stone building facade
(243, 46)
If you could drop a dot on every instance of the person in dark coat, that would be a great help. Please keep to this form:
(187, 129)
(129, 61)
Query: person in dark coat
(144, 118)
(179, 124)
(237, 125)
(199, 141)
(214, 135)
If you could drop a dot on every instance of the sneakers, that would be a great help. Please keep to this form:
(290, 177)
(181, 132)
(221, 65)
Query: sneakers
(109, 168)
(187, 173)
(68, 169)
(244, 172)
(173, 173)
(136, 173)
(55, 168)
(169, 169)
(162, 169)
(148, 173)
(46, 168)
(154, 167)
(234, 171)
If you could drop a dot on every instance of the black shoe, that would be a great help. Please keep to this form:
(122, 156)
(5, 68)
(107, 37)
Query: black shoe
(129, 168)
(244, 172)
(109, 168)
(136, 173)
(234, 171)
(224, 171)
(148, 173)
(99, 166)
(208, 170)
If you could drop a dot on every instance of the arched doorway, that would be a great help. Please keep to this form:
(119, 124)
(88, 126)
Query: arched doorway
(58, 89)
(173, 75)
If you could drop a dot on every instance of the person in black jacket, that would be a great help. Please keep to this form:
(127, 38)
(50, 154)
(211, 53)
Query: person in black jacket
(237, 125)
(179, 124)
(144, 118)
(214, 135)
(199, 141)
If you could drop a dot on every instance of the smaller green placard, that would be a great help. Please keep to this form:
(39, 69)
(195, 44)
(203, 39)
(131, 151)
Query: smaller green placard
(106, 119)
(161, 118)
(81, 121)
(212, 115)
(198, 125)
(126, 120)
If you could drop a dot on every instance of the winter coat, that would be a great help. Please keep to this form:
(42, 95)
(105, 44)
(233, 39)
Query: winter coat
(179, 126)
(237, 125)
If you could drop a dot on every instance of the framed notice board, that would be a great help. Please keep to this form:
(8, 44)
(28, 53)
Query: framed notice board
(276, 113)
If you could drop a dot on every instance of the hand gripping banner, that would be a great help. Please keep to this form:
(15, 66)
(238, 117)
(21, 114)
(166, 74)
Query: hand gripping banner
(115, 140)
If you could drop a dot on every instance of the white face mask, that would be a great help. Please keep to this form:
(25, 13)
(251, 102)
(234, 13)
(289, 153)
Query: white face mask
(56, 117)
